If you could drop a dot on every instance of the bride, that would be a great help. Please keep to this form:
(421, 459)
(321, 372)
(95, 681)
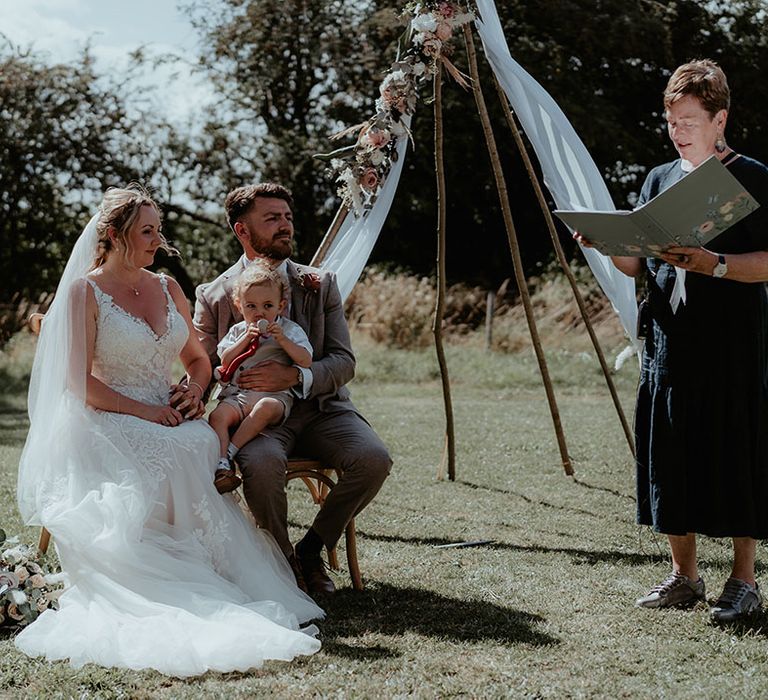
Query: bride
(164, 572)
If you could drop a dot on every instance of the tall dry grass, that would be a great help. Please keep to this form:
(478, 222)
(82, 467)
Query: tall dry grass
(397, 309)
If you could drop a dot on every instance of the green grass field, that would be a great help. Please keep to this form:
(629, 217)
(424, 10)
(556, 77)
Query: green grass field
(543, 611)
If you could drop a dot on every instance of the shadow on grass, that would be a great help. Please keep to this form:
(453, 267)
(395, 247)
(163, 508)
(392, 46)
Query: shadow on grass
(755, 625)
(8, 632)
(531, 501)
(605, 489)
(385, 609)
(579, 556)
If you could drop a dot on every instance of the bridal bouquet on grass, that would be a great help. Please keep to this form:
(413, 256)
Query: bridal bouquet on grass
(28, 586)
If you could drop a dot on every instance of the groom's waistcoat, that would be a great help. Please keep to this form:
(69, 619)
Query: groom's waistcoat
(319, 311)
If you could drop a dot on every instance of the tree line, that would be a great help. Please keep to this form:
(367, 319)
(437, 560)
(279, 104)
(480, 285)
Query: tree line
(289, 73)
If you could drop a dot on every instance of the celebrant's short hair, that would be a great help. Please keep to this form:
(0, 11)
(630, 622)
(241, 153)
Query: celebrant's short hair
(702, 79)
(239, 201)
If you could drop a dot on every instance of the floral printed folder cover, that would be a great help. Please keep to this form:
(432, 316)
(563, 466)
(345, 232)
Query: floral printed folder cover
(692, 212)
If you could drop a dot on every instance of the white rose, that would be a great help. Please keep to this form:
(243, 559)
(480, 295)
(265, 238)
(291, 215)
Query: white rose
(424, 23)
(17, 597)
(376, 157)
(56, 578)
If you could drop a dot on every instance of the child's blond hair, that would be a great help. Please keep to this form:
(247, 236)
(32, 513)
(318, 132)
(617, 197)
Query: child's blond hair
(258, 274)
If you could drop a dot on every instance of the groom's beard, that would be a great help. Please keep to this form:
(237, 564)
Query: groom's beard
(279, 247)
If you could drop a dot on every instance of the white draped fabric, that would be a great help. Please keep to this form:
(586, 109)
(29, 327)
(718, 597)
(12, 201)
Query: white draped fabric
(569, 172)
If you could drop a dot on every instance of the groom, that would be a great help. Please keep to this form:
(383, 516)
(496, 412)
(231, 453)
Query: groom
(324, 424)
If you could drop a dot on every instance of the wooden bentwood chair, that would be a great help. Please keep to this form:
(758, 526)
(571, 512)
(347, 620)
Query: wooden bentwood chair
(317, 477)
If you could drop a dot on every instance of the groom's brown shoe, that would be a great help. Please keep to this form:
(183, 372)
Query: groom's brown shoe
(296, 568)
(316, 577)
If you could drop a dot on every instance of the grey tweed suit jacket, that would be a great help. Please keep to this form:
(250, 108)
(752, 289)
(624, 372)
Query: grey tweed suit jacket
(319, 312)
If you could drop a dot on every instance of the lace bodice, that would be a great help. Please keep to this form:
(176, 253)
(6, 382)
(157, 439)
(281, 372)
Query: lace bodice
(128, 356)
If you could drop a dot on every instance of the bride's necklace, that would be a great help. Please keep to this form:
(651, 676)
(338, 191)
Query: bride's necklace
(136, 291)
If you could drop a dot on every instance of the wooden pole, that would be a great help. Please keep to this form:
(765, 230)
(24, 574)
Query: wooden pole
(490, 300)
(449, 450)
(330, 236)
(517, 262)
(564, 263)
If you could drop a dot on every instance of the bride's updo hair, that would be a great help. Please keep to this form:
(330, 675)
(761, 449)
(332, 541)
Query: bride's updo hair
(118, 211)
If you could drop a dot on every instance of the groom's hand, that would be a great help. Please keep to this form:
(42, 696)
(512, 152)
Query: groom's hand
(185, 399)
(268, 376)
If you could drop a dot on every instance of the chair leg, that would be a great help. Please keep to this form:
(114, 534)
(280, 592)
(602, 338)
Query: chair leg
(333, 559)
(44, 541)
(354, 568)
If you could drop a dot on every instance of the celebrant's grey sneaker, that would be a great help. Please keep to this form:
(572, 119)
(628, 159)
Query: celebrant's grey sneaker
(676, 590)
(737, 600)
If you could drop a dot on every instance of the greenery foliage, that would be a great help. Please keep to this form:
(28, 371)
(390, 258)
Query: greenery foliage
(289, 74)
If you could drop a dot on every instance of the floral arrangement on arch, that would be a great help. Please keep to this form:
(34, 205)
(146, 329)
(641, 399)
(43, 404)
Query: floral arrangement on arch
(28, 586)
(362, 168)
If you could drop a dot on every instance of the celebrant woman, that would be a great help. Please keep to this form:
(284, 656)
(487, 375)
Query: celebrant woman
(701, 422)
(164, 572)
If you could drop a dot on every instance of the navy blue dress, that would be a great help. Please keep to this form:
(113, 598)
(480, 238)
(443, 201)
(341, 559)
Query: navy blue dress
(701, 423)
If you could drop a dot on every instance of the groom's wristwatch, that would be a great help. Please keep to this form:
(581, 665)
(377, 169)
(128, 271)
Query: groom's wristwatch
(721, 269)
(300, 383)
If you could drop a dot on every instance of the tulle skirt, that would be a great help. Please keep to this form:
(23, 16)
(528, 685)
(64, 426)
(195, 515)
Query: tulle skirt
(165, 573)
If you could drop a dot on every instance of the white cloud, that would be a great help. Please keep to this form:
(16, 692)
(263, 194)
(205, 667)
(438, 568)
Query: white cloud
(60, 29)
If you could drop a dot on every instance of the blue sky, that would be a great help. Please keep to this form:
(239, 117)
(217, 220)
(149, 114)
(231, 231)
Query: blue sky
(60, 28)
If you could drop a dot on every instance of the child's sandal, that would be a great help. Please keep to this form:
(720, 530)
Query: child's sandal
(225, 480)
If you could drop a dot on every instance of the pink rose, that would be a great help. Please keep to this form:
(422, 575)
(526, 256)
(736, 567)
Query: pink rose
(37, 581)
(369, 180)
(14, 614)
(443, 31)
(9, 580)
(376, 138)
(386, 95)
(446, 9)
(21, 573)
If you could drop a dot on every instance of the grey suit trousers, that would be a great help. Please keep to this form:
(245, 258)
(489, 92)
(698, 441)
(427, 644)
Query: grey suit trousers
(343, 439)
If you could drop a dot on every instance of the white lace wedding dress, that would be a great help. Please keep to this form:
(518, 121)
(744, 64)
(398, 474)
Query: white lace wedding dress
(165, 573)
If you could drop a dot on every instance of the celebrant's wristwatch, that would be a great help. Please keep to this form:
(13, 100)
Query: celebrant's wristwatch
(721, 269)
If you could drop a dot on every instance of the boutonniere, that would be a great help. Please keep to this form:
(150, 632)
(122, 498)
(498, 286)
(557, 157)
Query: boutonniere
(310, 283)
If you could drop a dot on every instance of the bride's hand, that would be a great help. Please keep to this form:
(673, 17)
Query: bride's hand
(187, 400)
(163, 415)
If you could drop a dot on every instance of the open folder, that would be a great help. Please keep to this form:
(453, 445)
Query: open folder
(690, 213)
